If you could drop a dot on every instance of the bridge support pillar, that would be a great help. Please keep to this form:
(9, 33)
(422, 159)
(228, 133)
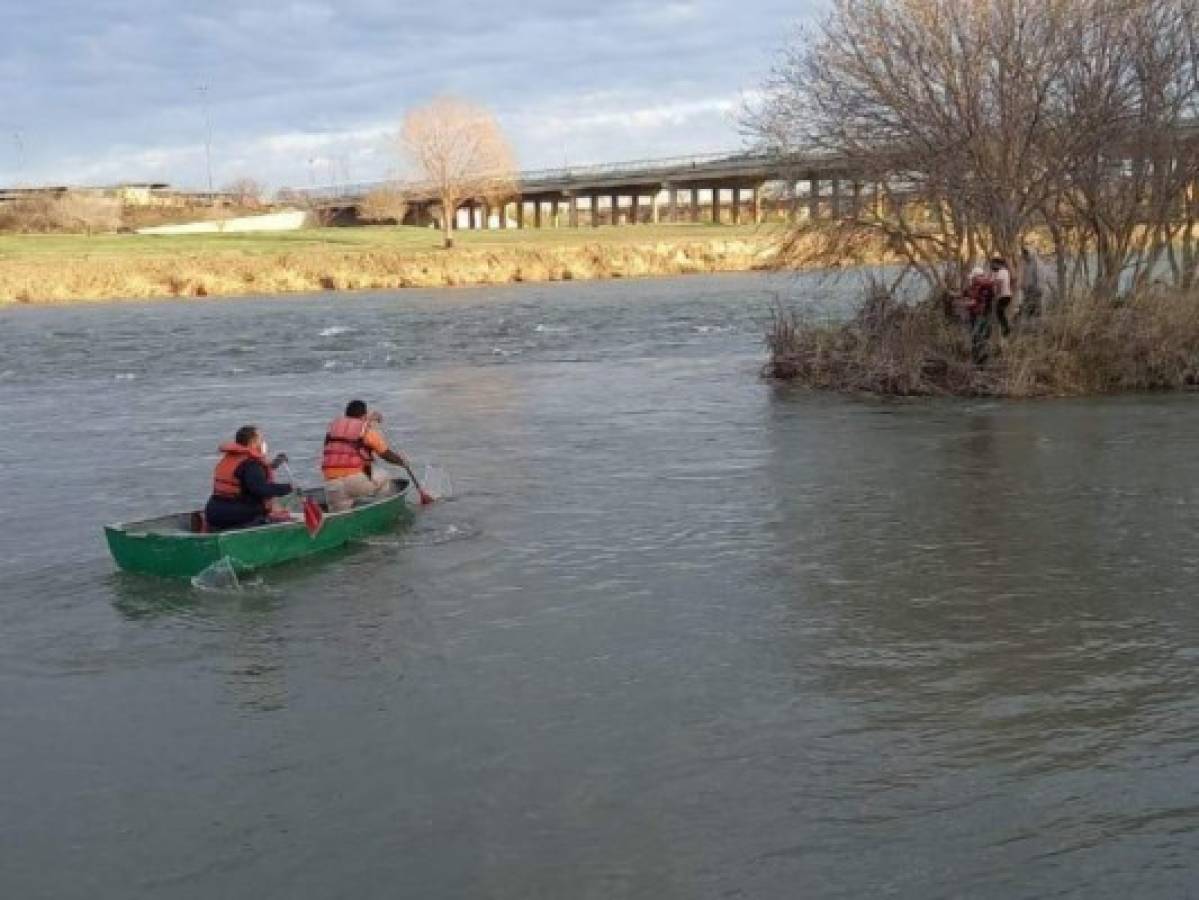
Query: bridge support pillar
(836, 201)
(614, 204)
(572, 211)
(537, 212)
(593, 205)
(635, 209)
(813, 198)
(694, 205)
(672, 204)
(520, 213)
(715, 204)
(653, 207)
(757, 200)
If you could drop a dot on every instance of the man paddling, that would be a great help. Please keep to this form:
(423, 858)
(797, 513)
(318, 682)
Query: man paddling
(243, 485)
(352, 442)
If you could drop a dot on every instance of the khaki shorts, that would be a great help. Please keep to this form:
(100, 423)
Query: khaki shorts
(340, 493)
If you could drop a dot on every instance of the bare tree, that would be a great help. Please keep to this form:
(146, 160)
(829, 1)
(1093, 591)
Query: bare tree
(245, 192)
(386, 203)
(460, 153)
(995, 118)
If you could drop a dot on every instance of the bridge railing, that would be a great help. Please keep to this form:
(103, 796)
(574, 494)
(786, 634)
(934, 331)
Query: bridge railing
(534, 177)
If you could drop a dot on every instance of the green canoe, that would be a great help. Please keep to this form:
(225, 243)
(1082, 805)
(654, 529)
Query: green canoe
(169, 547)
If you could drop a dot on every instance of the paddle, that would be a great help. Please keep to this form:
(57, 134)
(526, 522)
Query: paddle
(314, 516)
(425, 497)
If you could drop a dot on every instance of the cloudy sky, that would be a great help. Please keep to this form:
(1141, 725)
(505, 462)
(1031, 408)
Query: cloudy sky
(304, 92)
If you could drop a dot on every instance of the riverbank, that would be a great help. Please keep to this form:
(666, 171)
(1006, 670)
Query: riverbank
(61, 269)
(1146, 342)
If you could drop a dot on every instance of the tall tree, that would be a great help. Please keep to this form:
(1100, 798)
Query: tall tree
(997, 117)
(459, 150)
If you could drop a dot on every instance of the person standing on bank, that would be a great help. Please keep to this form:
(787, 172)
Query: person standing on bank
(980, 304)
(352, 442)
(1031, 292)
(1002, 277)
(243, 486)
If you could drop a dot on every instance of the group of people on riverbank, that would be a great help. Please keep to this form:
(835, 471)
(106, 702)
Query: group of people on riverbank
(244, 488)
(989, 295)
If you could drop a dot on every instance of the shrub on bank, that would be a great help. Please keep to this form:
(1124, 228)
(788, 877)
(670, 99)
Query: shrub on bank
(69, 213)
(1149, 341)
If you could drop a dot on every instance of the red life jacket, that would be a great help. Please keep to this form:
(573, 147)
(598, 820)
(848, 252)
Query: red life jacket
(345, 447)
(224, 479)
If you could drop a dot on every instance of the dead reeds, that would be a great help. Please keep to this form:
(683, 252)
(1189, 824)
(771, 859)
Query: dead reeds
(1148, 341)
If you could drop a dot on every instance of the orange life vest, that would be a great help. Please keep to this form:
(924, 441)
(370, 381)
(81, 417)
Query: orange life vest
(345, 447)
(224, 479)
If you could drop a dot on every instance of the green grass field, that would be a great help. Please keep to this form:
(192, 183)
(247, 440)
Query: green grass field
(21, 246)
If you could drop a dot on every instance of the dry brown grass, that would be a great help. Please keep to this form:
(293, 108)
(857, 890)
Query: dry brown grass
(68, 213)
(55, 278)
(1147, 342)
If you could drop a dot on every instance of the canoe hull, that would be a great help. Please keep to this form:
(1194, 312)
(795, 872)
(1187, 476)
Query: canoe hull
(177, 554)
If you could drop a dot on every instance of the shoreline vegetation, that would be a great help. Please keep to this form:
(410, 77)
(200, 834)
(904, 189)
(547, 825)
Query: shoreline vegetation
(49, 269)
(1147, 341)
(984, 138)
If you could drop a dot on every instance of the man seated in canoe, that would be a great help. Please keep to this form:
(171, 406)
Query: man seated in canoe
(243, 485)
(352, 442)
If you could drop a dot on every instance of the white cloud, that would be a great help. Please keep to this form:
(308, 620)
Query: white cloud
(308, 87)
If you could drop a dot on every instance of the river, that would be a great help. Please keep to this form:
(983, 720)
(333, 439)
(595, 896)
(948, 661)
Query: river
(680, 633)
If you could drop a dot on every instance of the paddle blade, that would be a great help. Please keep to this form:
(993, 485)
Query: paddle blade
(314, 516)
(435, 484)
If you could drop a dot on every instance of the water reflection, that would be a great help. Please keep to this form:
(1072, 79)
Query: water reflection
(989, 603)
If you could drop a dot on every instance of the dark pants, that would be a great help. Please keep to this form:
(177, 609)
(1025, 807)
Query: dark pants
(980, 334)
(1001, 306)
(1031, 307)
(222, 514)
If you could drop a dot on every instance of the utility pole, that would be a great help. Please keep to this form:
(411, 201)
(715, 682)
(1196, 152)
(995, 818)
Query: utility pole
(19, 143)
(203, 89)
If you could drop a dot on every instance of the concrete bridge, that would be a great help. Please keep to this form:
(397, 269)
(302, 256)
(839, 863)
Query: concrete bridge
(723, 187)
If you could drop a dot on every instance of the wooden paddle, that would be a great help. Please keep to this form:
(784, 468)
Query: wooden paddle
(425, 497)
